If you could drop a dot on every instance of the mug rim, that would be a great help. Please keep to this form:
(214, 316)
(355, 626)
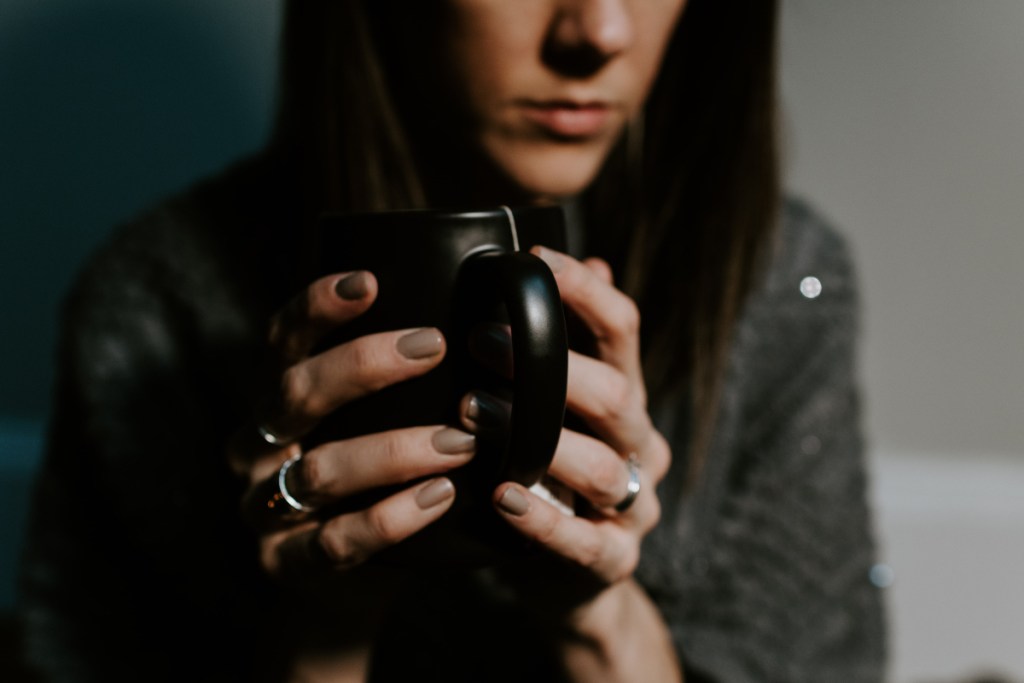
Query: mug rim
(448, 215)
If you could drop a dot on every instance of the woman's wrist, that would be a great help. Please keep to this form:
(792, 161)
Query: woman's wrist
(619, 636)
(350, 665)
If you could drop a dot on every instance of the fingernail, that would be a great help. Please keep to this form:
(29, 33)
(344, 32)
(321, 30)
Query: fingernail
(435, 493)
(473, 409)
(353, 287)
(553, 259)
(514, 502)
(487, 412)
(421, 343)
(451, 441)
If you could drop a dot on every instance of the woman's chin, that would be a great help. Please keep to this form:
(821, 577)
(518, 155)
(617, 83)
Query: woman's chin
(551, 174)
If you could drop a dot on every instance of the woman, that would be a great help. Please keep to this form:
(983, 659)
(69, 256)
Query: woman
(653, 122)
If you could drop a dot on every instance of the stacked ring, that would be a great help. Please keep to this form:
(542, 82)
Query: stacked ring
(633, 486)
(282, 500)
(272, 438)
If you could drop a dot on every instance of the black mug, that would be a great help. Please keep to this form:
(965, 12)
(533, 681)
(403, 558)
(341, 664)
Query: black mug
(456, 270)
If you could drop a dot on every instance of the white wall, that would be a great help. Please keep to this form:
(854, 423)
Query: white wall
(905, 124)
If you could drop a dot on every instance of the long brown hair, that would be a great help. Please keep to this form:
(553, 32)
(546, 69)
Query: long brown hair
(683, 209)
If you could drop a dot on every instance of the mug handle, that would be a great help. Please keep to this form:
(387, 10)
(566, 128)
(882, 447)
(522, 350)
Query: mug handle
(540, 353)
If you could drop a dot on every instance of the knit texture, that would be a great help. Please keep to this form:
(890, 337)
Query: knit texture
(763, 573)
(139, 567)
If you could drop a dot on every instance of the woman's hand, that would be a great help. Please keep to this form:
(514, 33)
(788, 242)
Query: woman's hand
(327, 551)
(615, 630)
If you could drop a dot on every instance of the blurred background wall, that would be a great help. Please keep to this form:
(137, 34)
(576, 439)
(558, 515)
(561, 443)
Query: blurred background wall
(904, 124)
(905, 121)
(105, 107)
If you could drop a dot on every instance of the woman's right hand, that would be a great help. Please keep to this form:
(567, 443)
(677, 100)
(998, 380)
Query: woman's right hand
(308, 387)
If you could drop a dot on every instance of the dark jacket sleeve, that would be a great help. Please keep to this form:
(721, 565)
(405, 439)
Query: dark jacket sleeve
(765, 573)
(137, 566)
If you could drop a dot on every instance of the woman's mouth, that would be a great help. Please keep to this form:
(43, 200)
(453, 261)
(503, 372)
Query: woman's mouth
(568, 119)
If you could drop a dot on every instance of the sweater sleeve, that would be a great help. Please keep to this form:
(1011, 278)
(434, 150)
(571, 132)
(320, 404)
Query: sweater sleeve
(135, 552)
(765, 573)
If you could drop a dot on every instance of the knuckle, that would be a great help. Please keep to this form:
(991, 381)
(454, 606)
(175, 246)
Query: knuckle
(318, 298)
(337, 547)
(310, 473)
(588, 284)
(638, 396)
(547, 529)
(392, 455)
(363, 361)
(652, 516)
(294, 389)
(660, 458)
(297, 396)
(589, 553)
(606, 477)
(270, 557)
(360, 357)
(600, 268)
(382, 525)
(616, 397)
(629, 562)
(626, 317)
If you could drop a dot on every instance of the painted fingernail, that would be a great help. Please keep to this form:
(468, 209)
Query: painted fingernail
(420, 344)
(435, 493)
(451, 441)
(514, 502)
(487, 412)
(353, 287)
(553, 259)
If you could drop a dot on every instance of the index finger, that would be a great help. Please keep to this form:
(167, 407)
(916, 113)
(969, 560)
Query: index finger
(611, 316)
(319, 308)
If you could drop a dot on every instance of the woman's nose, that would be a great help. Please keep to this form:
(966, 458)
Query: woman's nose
(587, 33)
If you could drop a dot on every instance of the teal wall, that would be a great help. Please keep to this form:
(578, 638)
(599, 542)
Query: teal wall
(105, 107)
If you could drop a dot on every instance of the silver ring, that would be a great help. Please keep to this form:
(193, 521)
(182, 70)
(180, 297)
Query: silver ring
(272, 438)
(633, 487)
(282, 502)
(282, 485)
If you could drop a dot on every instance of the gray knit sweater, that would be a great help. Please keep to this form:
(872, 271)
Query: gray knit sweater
(139, 567)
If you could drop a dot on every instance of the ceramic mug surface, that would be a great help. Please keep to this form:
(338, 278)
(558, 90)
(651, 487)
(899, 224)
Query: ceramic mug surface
(457, 270)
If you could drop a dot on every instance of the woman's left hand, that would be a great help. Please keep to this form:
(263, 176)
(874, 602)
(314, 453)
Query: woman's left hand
(608, 393)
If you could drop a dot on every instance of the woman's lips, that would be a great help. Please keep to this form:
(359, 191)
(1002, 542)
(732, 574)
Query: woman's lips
(569, 119)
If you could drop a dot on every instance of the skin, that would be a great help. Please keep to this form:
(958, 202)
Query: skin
(505, 55)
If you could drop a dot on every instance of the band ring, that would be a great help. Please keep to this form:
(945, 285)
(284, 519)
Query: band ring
(271, 438)
(633, 487)
(282, 500)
